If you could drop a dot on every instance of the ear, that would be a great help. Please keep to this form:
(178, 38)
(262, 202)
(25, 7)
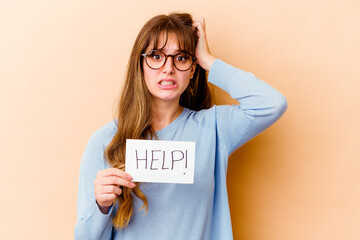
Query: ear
(192, 70)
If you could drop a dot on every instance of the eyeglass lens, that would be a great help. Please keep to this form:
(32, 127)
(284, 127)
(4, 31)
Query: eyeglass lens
(156, 59)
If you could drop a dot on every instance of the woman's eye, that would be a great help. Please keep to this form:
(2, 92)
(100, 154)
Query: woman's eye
(182, 58)
(156, 56)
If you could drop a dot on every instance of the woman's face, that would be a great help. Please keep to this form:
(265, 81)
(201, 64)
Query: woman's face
(166, 84)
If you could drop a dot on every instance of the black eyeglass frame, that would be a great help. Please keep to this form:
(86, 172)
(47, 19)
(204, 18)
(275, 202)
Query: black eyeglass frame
(166, 57)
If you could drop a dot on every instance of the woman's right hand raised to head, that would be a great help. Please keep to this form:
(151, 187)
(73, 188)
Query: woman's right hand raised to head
(107, 186)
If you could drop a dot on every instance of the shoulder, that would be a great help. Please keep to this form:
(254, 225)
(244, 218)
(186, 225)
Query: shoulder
(104, 134)
(93, 156)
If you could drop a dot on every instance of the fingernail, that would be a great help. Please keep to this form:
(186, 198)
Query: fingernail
(132, 185)
(129, 177)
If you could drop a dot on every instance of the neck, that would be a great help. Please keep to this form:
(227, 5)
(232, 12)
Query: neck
(165, 113)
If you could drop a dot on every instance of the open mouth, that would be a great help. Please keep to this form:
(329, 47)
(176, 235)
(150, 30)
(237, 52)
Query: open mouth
(167, 83)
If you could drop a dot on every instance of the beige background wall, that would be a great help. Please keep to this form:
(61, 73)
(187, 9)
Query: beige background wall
(61, 67)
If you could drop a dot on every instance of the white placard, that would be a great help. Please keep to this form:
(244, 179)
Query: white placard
(160, 161)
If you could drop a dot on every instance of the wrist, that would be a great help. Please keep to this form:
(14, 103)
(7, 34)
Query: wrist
(208, 61)
(103, 209)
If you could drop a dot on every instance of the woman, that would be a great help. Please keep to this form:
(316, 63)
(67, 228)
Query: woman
(166, 97)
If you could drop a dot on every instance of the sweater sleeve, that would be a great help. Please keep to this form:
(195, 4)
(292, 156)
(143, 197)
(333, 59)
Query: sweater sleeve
(91, 222)
(260, 105)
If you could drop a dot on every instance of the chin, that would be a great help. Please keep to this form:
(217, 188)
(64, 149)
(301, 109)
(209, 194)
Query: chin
(168, 98)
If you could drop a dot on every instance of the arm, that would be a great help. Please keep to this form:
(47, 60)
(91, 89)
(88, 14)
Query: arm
(91, 223)
(99, 186)
(260, 104)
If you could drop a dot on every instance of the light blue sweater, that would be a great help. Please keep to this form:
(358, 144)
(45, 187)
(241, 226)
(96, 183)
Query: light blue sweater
(185, 211)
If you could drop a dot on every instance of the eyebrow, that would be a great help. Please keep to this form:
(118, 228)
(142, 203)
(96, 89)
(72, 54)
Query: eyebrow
(175, 52)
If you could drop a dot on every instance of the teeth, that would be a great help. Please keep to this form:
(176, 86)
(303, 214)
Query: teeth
(166, 83)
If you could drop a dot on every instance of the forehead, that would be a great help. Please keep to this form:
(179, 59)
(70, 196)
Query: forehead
(165, 41)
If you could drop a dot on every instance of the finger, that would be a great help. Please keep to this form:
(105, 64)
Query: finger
(110, 189)
(114, 172)
(117, 181)
(197, 25)
(112, 180)
(105, 198)
(200, 28)
(199, 22)
(199, 19)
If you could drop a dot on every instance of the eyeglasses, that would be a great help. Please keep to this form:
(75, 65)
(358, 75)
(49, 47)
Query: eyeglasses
(156, 59)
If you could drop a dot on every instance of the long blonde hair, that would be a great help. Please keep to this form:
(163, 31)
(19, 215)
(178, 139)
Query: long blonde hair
(134, 112)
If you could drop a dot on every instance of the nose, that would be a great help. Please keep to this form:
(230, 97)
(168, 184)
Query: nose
(169, 65)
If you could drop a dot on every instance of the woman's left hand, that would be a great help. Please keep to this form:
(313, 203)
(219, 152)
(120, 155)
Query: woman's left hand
(202, 52)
